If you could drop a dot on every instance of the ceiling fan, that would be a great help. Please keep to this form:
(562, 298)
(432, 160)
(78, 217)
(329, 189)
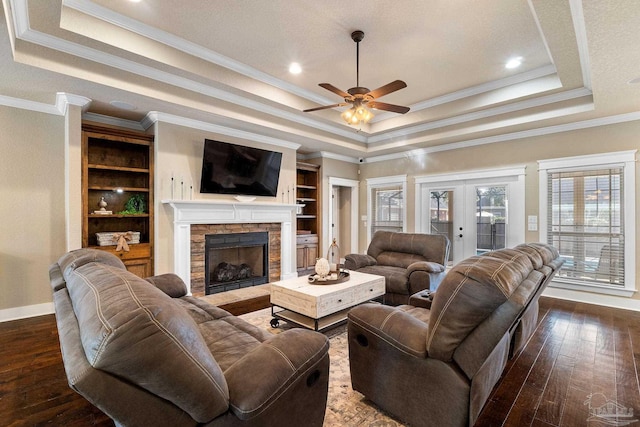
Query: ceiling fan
(361, 97)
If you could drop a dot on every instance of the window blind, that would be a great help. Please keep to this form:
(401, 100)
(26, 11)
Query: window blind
(387, 208)
(586, 224)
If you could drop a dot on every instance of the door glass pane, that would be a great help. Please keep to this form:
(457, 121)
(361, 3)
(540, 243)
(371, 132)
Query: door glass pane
(441, 215)
(491, 214)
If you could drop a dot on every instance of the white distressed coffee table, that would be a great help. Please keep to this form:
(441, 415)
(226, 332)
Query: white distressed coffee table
(318, 307)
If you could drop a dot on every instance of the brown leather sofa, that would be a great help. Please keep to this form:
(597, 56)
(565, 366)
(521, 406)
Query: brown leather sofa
(410, 262)
(147, 355)
(443, 356)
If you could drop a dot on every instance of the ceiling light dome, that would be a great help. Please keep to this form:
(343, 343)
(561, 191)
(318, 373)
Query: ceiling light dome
(513, 63)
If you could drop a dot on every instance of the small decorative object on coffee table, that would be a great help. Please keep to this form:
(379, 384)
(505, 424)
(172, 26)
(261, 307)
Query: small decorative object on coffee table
(322, 269)
(333, 256)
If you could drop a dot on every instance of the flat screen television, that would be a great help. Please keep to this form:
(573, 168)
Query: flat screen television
(236, 169)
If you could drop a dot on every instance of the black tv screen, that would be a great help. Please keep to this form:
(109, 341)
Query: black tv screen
(236, 169)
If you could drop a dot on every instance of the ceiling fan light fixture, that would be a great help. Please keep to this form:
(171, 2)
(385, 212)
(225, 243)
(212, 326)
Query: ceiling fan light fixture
(357, 114)
(358, 96)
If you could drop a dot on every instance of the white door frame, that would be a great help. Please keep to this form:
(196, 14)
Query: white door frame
(516, 176)
(354, 185)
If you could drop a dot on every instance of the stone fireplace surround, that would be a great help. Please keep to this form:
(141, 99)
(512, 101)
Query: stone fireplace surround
(187, 213)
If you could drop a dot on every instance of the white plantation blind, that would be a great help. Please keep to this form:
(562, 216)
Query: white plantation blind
(585, 222)
(387, 208)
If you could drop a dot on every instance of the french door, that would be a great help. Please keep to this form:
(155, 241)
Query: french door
(478, 212)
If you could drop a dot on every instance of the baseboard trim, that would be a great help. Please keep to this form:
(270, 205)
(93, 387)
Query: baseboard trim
(592, 298)
(34, 310)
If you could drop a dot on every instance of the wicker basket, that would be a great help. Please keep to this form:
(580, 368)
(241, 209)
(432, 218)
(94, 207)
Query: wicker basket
(111, 238)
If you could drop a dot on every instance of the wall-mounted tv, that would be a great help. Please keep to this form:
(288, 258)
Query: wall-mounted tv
(236, 169)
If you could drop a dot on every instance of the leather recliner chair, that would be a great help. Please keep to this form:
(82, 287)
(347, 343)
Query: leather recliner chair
(436, 364)
(410, 262)
(148, 355)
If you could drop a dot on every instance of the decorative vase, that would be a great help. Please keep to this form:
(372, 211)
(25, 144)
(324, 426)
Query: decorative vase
(333, 256)
(102, 203)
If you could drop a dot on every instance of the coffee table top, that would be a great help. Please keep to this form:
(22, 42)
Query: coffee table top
(301, 284)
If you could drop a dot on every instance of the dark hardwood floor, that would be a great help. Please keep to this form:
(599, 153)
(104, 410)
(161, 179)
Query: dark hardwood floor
(578, 350)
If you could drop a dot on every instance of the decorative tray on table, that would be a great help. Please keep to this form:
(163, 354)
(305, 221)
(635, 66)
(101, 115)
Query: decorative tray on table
(343, 276)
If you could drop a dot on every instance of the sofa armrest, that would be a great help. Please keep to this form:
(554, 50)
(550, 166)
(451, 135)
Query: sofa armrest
(356, 261)
(427, 266)
(171, 284)
(422, 299)
(296, 357)
(425, 275)
(393, 325)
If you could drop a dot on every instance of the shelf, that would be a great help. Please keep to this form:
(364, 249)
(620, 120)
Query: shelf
(306, 216)
(305, 199)
(307, 187)
(116, 165)
(118, 168)
(146, 215)
(124, 189)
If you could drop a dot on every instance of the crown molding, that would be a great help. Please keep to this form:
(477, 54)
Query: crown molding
(99, 12)
(27, 34)
(585, 124)
(483, 114)
(24, 104)
(328, 155)
(580, 29)
(190, 48)
(63, 100)
(476, 90)
(114, 121)
(155, 116)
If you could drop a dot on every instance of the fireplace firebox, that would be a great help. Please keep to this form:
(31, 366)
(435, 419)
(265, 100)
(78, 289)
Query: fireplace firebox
(236, 260)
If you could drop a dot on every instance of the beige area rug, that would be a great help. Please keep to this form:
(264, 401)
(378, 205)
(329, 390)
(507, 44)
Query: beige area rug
(345, 407)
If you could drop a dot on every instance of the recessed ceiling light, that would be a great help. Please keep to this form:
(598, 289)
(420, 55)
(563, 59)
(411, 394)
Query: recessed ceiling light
(123, 105)
(295, 68)
(513, 62)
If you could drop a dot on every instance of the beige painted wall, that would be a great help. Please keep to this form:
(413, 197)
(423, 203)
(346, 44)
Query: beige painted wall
(32, 204)
(528, 151)
(178, 151)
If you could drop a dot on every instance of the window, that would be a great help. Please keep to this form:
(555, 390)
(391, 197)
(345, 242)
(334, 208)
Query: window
(587, 208)
(386, 204)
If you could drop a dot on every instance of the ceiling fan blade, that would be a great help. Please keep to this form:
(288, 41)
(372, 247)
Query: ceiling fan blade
(388, 88)
(335, 90)
(388, 107)
(342, 104)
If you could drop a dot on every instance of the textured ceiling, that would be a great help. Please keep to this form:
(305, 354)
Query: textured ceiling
(225, 63)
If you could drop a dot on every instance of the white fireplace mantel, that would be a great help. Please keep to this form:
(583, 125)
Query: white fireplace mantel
(187, 212)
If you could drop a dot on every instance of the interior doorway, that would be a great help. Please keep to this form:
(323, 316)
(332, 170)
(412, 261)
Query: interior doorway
(343, 215)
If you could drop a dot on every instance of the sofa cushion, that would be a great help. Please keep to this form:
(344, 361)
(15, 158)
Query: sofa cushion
(468, 295)
(228, 337)
(122, 314)
(402, 249)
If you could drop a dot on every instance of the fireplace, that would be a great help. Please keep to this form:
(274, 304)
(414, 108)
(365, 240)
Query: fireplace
(236, 260)
(193, 219)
